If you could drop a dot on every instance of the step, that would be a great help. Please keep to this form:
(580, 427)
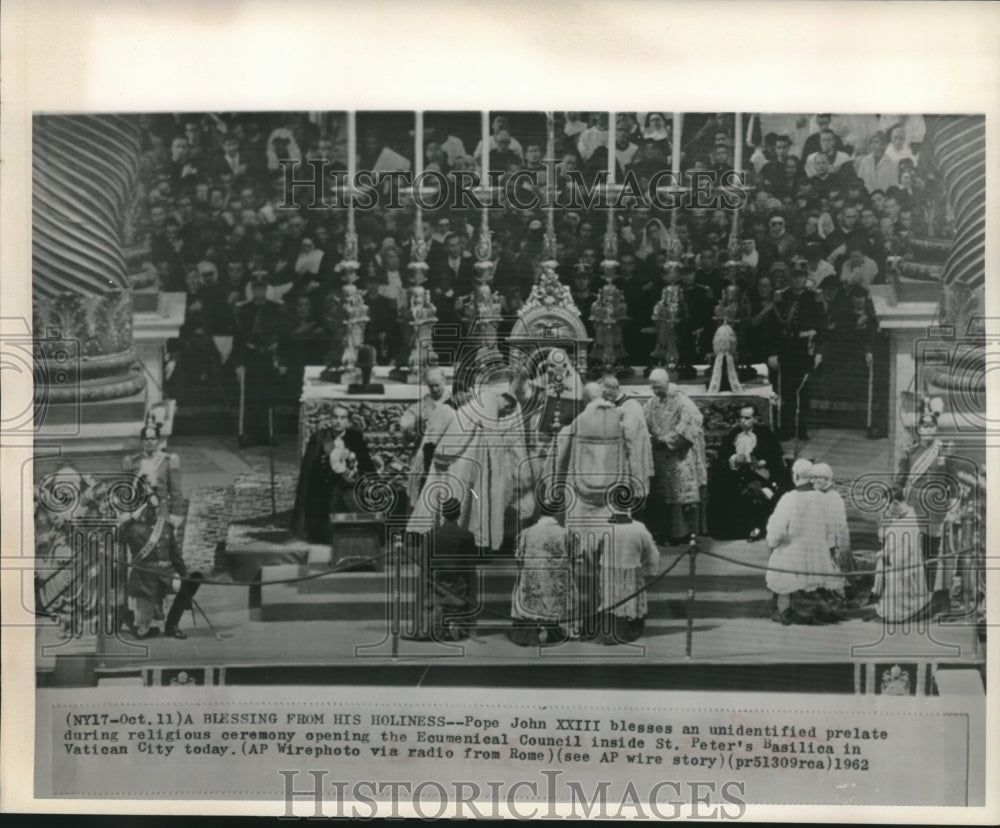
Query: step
(283, 602)
(495, 578)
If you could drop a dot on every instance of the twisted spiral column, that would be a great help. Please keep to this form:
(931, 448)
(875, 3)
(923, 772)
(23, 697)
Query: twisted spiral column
(958, 144)
(84, 170)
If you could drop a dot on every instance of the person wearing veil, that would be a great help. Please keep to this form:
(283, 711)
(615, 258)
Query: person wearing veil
(652, 241)
(656, 136)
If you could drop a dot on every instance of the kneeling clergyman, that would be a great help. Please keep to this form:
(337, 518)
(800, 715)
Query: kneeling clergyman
(628, 557)
(545, 595)
(446, 586)
(800, 568)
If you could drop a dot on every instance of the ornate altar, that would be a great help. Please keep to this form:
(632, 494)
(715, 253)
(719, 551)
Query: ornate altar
(377, 415)
(550, 314)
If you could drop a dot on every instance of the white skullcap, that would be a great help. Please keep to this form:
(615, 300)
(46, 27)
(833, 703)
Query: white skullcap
(801, 467)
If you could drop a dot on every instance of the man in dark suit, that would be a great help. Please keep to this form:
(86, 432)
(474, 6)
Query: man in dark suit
(640, 298)
(384, 328)
(696, 330)
(453, 268)
(446, 587)
(748, 477)
(450, 276)
(814, 144)
(235, 162)
(259, 327)
(797, 351)
(773, 175)
(336, 458)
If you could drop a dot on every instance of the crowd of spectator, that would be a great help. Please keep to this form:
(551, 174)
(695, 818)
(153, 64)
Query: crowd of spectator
(835, 196)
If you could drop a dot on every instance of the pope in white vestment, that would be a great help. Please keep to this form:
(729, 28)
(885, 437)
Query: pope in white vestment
(476, 462)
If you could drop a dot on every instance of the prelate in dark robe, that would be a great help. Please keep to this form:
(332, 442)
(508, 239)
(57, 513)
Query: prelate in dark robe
(445, 590)
(321, 490)
(737, 503)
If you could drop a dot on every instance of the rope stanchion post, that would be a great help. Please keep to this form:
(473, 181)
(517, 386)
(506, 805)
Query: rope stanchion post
(692, 555)
(395, 574)
(871, 378)
(798, 410)
(270, 454)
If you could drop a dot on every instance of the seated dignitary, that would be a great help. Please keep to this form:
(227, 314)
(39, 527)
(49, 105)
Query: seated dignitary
(335, 459)
(747, 480)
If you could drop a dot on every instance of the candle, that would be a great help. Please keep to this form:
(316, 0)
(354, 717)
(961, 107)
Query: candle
(612, 149)
(675, 163)
(352, 166)
(418, 168)
(551, 183)
(418, 148)
(738, 144)
(738, 166)
(352, 148)
(486, 149)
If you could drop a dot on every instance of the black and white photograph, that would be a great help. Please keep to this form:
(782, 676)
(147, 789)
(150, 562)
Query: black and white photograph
(495, 443)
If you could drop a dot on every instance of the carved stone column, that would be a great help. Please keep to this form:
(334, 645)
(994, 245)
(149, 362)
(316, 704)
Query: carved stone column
(84, 170)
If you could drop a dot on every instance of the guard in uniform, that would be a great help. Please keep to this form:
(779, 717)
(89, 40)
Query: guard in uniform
(796, 351)
(154, 561)
(255, 347)
(161, 470)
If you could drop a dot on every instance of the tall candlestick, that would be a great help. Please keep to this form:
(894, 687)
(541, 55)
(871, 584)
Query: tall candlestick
(550, 185)
(738, 144)
(418, 147)
(486, 149)
(738, 166)
(675, 160)
(612, 149)
(352, 166)
(418, 168)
